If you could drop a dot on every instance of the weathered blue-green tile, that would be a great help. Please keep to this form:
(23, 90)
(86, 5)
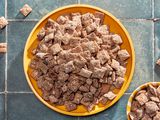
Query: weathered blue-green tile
(124, 8)
(2, 7)
(92, 117)
(28, 107)
(2, 72)
(156, 8)
(141, 33)
(17, 35)
(2, 13)
(2, 107)
(2, 62)
(40, 7)
(2, 35)
(157, 51)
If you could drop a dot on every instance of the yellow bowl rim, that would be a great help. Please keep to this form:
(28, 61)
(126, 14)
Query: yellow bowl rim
(141, 87)
(132, 52)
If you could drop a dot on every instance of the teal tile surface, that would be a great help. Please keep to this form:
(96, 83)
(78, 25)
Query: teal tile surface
(157, 51)
(156, 8)
(28, 107)
(2, 7)
(141, 33)
(2, 72)
(124, 8)
(17, 35)
(40, 7)
(2, 62)
(116, 112)
(2, 107)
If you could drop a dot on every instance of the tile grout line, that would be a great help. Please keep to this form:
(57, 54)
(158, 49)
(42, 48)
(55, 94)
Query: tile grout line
(153, 49)
(5, 106)
(21, 92)
(152, 9)
(7, 45)
(2, 93)
(16, 92)
(137, 19)
(6, 36)
(153, 34)
(23, 20)
(79, 2)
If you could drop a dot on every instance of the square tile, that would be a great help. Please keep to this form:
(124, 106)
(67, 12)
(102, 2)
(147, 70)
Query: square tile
(28, 107)
(2, 107)
(2, 71)
(2, 6)
(141, 33)
(157, 52)
(18, 33)
(2, 61)
(40, 7)
(156, 8)
(124, 8)
(116, 112)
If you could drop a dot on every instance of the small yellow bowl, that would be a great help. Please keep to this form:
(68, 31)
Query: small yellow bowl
(115, 27)
(128, 109)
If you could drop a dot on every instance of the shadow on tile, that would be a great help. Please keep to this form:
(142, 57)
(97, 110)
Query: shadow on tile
(1, 30)
(2, 35)
(20, 16)
(157, 70)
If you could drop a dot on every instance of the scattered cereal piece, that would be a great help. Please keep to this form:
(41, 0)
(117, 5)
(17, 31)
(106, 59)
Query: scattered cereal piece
(26, 9)
(3, 47)
(3, 22)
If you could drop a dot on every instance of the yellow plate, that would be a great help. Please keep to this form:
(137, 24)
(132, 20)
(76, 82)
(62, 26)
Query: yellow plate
(115, 27)
(128, 109)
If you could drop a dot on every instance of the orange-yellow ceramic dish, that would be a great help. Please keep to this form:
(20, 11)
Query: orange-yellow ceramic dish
(128, 109)
(115, 26)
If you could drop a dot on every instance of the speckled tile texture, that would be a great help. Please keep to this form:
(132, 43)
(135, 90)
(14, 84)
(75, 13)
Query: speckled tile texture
(16, 41)
(17, 102)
